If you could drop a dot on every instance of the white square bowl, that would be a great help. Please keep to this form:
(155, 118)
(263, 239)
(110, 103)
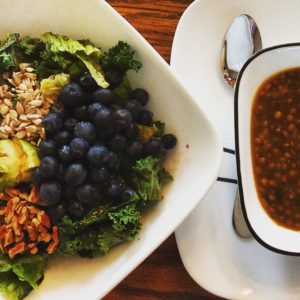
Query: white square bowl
(256, 70)
(194, 163)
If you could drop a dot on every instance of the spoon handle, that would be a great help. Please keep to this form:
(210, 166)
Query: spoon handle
(238, 220)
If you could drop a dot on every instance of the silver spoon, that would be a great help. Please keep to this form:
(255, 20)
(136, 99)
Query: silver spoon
(241, 41)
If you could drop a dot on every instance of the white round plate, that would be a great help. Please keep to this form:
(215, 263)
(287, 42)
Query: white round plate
(212, 253)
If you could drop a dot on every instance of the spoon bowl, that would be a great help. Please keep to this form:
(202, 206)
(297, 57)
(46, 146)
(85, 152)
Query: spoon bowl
(241, 41)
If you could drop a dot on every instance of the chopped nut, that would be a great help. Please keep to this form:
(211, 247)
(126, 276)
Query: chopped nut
(44, 237)
(9, 237)
(25, 224)
(32, 232)
(44, 219)
(4, 109)
(36, 103)
(21, 134)
(36, 222)
(16, 225)
(23, 216)
(8, 103)
(17, 249)
(19, 108)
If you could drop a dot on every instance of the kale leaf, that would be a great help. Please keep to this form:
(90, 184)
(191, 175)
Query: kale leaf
(100, 229)
(149, 177)
(120, 57)
(7, 53)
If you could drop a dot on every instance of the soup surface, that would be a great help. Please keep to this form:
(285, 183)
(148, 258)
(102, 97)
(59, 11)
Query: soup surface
(275, 143)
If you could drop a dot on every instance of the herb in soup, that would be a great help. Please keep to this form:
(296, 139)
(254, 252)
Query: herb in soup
(275, 142)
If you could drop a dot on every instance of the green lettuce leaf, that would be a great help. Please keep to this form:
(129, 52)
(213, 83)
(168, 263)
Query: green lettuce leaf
(86, 52)
(120, 57)
(20, 275)
(30, 268)
(12, 287)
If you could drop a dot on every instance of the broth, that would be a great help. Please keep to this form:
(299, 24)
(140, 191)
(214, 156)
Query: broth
(275, 146)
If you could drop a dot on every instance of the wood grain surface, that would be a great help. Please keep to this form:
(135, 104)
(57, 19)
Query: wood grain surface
(162, 275)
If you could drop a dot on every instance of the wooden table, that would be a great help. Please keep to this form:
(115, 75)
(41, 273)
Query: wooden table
(162, 275)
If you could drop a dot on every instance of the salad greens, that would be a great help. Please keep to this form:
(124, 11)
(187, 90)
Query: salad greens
(20, 275)
(54, 54)
(57, 60)
(148, 177)
(110, 224)
(120, 57)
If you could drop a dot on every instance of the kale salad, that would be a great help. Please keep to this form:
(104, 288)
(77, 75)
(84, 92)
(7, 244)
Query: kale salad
(80, 154)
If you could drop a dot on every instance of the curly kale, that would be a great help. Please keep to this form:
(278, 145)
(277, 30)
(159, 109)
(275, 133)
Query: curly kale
(120, 57)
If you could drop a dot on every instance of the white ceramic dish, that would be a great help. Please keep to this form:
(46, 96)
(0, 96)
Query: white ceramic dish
(194, 168)
(212, 253)
(255, 71)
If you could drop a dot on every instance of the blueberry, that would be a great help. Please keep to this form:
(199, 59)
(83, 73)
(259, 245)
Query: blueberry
(123, 118)
(93, 109)
(75, 209)
(63, 137)
(154, 147)
(97, 155)
(104, 96)
(64, 154)
(78, 148)
(59, 109)
(132, 131)
(86, 193)
(117, 143)
(99, 142)
(75, 174)
(135, 107)
(68, 192)
(114, 190)
(114, 77)
(52, 123)
(104, 118)
(87, 82)
(112, 161)
(99, 175)
(105, 133)
(85, 130)
(71, 95)
(47, 147)
(61, 171)
(127, 194)
(145, 118)
(70, 124)
(81, 113)
(50, 193)
(36, 176)
(135, 150)
(169, 140)
(56, 213)
(48, 167)
(141, 95)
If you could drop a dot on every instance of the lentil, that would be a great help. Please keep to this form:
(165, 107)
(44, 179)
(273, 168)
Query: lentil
(275, 146)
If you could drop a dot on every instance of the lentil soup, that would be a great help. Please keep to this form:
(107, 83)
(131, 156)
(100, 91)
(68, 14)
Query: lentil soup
(275, 146)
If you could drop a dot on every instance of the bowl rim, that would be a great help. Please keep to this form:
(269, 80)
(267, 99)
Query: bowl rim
(237, 150)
